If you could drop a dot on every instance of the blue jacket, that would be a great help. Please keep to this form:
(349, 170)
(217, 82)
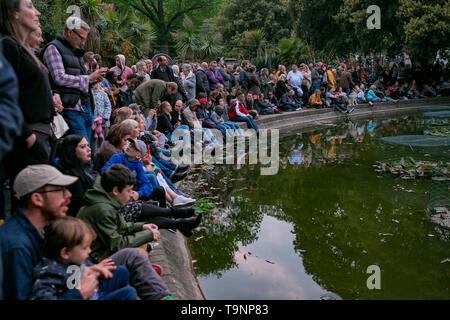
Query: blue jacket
(50, 282)
(20, 246)
(11, 118)
(243, 78)
(143, 187)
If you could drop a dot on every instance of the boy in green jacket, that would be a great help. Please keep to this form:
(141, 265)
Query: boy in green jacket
(102, 211)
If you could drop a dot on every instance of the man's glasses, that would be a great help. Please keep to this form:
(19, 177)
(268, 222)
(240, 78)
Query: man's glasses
(81, 38)
(64, 191)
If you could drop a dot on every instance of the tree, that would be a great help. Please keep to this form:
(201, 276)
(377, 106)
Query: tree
(122, 32)
(312, 21)
(290, 51)
(256, 39)
(426, 28)
(352, 18)
(166, 15)
(187, 39)
(237, 18)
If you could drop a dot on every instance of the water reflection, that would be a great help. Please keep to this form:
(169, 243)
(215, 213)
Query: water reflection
(322, 220)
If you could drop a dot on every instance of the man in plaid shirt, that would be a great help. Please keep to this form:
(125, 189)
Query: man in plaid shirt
(69, 77)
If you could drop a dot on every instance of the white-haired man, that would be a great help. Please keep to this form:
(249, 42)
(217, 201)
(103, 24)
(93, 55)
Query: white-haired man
(68, 76)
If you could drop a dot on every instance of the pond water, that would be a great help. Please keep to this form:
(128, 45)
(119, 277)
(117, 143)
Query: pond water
(312, 230)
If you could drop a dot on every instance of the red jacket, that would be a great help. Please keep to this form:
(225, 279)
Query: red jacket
(235, 107)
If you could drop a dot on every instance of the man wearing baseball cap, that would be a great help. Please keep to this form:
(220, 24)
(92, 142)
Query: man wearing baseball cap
(43, 196)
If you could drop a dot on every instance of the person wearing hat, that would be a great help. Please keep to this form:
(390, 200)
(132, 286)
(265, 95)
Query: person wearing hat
(190, 118)
(43, 197)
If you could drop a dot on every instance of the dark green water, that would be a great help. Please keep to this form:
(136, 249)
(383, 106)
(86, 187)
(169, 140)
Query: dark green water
(312, 230)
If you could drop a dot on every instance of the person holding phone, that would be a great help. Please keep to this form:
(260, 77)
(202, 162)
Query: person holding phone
(69, 78)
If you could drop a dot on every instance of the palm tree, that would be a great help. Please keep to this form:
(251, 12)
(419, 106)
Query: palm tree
(187, 39)
(291, 51)
(210, 45)
(255, 38)
(122, 32)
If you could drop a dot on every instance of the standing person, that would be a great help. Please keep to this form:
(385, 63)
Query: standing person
(346, 81)
(64, 60)
(11, 122)
(122, 71)
(37, 142)
(243, 77)
(266, 82)
(295, 78)
(102, 114)
(306, 83)
(149, 93)
(315, 78)
(149, 67)
(163, 72)
(189, 81)
(226, 77)
(202, 83)
(35, 40)
(331, 78)
(141, 68)
(214, 76)
(254, 86)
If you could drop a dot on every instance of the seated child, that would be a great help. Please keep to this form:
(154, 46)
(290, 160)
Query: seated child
(315, 100)
(67, 244)
(361, 94)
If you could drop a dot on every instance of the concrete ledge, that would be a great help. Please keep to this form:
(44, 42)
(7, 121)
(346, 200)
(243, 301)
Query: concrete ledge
(314, 117)
(172, 254)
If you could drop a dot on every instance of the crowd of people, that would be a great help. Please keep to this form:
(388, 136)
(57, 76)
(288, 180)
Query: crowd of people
(86, 149)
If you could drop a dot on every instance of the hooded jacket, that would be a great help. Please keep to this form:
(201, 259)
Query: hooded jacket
(103, 213)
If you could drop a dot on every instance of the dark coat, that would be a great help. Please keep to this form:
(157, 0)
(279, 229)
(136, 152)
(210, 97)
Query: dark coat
(202, 83)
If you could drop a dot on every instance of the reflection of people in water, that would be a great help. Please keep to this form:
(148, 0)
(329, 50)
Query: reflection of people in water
(296, 156)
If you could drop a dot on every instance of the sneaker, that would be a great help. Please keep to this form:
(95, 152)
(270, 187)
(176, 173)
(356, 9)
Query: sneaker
(179, 213)
(182, 168)
(181, 201)
(178, 177)
(186, 226)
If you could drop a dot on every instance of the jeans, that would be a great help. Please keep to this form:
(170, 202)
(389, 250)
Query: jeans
(168, 172)
(143, 277)
(250, 122)
(315, 86)
(165, 152)
(80, 122)
(234, 126)
(288, 107)
(116, 288)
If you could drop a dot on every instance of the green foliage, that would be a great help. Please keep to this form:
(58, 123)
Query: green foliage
(53, 17)
(238, 20)
(122, 32)
(166, 16)
(197, 43)
(269, 62)
(352, 18)
(290, 51)
(426, 27)
(203, 205)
